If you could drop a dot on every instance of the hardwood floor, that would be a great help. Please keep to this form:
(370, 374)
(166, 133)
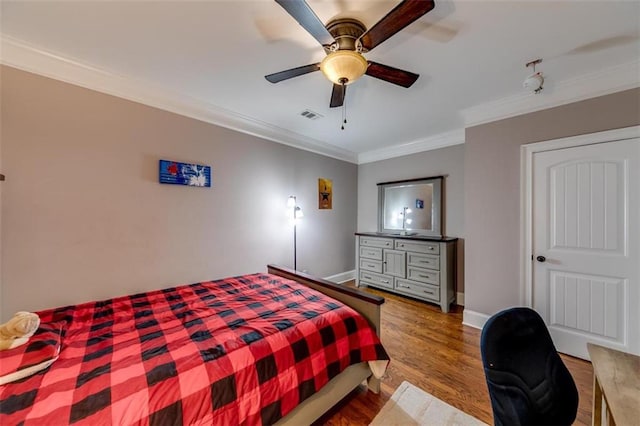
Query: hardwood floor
(435, 352)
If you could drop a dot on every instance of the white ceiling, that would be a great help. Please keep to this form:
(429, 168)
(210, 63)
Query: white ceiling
(216, 53)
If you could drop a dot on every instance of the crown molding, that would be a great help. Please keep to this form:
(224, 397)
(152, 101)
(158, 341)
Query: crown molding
(603, 82)
(442, 140)
(20, 55)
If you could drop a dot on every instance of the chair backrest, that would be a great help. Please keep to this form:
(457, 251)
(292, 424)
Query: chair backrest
(527, 380)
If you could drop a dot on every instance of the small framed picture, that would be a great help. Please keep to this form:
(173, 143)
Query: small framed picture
(176, 173)
(419, 204)
(325, 194)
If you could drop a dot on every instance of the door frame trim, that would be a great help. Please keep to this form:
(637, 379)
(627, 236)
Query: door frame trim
(526, 193)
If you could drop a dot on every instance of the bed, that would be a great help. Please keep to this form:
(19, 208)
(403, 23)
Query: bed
(280, 347)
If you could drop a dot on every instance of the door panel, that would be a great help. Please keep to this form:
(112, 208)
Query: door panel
(586, 224)
(587, 212)
(588, 304)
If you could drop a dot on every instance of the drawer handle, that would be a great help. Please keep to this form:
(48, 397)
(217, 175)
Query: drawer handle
(429, 291)
(367, 277)
(386, 244)
(403, 286)
(385, 281)
(430, 248)
(423, 276)
(371, 266)
(401, 245)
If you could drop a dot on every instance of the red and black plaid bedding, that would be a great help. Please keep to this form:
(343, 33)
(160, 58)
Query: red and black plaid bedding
(243, 350)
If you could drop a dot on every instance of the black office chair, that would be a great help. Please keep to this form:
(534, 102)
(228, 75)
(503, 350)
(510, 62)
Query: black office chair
(527, 380)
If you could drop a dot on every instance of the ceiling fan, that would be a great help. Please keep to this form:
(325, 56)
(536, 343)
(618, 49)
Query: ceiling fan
(344, 41)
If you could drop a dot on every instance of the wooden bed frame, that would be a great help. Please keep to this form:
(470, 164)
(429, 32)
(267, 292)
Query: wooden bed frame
(366, 304)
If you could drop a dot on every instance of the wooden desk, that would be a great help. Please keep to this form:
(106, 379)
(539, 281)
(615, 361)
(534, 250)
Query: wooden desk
(616, 377)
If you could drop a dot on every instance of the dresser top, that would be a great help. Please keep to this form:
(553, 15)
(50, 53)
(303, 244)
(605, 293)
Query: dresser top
(407, 237)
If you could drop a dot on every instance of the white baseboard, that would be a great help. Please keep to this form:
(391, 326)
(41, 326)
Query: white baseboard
(342, 277)
(460, 299)
(474, 319)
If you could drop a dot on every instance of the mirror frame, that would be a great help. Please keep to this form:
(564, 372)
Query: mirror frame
(436, 206)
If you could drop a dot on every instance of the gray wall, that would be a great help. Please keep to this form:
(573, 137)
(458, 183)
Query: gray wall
(84, 217)
(492, 189)
(447, 161)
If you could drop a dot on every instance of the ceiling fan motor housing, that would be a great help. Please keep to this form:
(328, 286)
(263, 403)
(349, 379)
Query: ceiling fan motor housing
(346, 32)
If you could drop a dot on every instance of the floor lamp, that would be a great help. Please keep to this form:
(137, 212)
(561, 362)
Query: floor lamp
(296, 213)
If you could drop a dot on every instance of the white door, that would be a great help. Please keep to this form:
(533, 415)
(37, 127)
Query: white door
(586, 238)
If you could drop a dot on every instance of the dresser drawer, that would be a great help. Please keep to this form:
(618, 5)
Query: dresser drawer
(371, 252)
(417, 246)
(376, 279)
(371, 265)
(376, 242)
(423, 275)
(422, 260)
(423, 291)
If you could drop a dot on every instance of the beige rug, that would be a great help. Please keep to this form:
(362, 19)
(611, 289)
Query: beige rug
(410, 405)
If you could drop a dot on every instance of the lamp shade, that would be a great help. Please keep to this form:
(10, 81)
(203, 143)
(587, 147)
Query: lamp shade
(344, 66)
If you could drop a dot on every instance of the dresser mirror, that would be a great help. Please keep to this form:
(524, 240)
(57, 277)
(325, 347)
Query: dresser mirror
(411, 207)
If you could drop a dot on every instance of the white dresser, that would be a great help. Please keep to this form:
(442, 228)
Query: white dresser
(420, 267)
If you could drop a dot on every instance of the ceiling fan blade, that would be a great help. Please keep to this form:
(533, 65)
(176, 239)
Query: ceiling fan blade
(293, 72)
(337, 95)
(391, 75)
(399, 17)
(301, 12)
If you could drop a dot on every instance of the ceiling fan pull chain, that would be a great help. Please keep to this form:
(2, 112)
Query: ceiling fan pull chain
(344, 107)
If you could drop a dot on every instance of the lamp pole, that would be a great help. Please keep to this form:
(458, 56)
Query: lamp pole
(296, 213)
(295, 256)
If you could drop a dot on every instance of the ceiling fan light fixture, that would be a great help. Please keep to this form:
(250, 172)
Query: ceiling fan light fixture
(344, 66)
